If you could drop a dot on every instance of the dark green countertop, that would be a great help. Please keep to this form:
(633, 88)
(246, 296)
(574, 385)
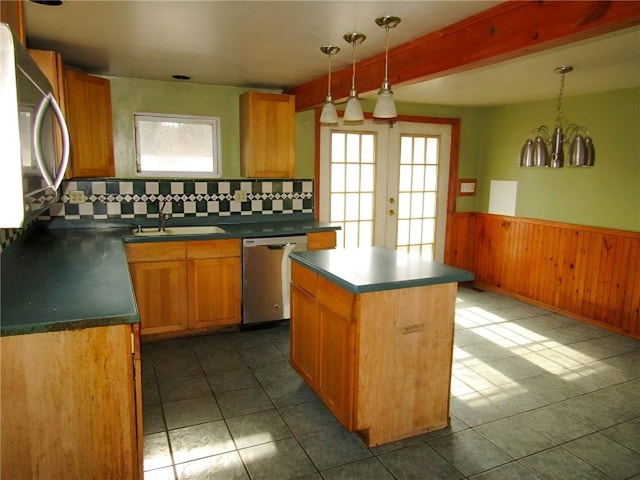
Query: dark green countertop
(65, 279)
(242, 230)
(375, 269)
(69, 278)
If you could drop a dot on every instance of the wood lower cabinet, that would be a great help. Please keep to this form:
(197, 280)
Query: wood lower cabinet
(71, 404)
(215, 271)
(380, 361)
(160, 289)
(321, 240)
(184, 287)
(306, 332)
(322, 340)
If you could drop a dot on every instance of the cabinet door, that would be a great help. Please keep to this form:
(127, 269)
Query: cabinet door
(69, 405)
(267, 132)
(305, 335)
(336, 364)
(90, 125)
(321, 240)
(11, 12)
(161, 294)
(214, 292)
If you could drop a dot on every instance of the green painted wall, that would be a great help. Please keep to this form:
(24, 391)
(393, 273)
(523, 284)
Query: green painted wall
(132, 95)
(607, 195)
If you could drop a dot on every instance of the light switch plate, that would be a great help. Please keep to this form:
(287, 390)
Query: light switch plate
(76, 196)
(466, 186)
(240, 196)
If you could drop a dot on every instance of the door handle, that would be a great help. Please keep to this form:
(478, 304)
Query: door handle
(392, 213)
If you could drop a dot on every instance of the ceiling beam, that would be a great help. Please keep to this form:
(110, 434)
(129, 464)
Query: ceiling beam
(509, 30)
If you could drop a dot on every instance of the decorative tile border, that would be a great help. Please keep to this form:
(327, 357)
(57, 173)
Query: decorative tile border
(116, 199)
(112, 199)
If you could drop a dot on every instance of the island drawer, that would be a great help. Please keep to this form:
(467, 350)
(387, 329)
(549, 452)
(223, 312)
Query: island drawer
(304, 278)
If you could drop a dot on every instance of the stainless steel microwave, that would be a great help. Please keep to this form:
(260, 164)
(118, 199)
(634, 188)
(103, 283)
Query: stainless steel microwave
(31, 166)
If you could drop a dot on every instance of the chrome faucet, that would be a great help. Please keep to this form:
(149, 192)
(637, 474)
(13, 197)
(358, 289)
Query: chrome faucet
(162, 217)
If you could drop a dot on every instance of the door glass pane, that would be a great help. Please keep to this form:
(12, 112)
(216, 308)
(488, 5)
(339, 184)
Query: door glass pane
(353, 158)
(417, 194)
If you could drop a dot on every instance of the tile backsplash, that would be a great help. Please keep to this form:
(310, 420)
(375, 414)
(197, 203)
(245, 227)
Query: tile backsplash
(135, 199)
(115, 199)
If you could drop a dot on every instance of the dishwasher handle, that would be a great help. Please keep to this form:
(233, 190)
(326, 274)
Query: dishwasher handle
(281, 246)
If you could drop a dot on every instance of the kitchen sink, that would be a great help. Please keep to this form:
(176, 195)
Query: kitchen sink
(193, 230)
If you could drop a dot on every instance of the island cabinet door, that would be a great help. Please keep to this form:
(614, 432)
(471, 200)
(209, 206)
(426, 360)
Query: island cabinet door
(305, 335)
(336, 374)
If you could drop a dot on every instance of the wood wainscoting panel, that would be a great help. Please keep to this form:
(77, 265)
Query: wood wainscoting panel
(588, 273)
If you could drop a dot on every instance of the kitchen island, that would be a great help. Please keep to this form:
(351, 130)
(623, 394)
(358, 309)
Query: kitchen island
(372, 334)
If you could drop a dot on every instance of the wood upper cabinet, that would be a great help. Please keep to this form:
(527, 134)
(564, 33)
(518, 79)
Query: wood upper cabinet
(11, 12)
(71, 404)
(267, 135)
(90, 125)
(214, 271)
(183, 286)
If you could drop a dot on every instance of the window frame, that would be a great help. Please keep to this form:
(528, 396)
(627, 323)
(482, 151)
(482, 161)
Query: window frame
(213, 122)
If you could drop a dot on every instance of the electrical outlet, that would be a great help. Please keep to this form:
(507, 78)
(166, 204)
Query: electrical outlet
(76, 196)
(240, 196)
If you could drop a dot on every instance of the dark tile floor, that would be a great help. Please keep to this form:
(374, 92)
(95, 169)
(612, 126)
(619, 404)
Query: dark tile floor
(533, 395)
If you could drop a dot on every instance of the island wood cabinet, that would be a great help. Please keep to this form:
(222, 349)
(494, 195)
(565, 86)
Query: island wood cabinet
(183, 287)
(90, 125)
(380, 361)
(72, 404)
(267, 135)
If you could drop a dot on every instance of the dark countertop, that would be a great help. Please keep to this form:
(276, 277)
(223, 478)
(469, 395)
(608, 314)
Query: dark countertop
(242, 230)
(69, 278)
(375, 269)
(65, 279)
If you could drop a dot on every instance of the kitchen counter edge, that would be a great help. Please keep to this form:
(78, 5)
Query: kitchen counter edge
(376, 269)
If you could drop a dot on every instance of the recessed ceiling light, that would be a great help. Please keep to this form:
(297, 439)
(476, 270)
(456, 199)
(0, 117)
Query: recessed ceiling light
(49, 3)
(181, 77)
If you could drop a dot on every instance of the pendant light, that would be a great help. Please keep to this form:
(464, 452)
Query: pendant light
(329, 114)
(385, 108)
(353, 111)
(544, 148)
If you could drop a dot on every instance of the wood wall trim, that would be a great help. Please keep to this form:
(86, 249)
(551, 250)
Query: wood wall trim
(588, 273)
(511, 29)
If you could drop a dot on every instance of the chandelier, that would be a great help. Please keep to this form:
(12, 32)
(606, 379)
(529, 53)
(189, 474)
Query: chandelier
(545, 147)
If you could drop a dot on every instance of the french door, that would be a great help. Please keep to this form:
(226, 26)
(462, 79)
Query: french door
(386, 185)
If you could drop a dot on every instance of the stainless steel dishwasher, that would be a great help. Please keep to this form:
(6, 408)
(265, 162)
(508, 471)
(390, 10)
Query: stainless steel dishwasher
(266, 273)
